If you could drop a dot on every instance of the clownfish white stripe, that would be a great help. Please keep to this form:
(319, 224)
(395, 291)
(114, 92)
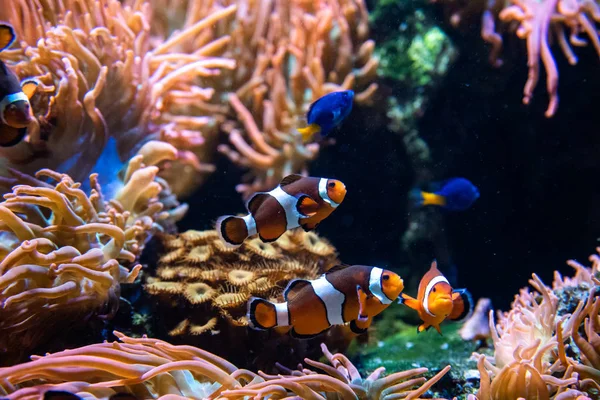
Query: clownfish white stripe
(250, 224)
(289, 203)
(323, 193)
(9, 99)
(332, 298)
(282, 313)
(428, 289)
(375, 285)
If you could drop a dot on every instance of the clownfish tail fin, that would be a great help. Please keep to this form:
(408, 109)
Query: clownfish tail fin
(232, 230)
(262, 314)
(462, 305)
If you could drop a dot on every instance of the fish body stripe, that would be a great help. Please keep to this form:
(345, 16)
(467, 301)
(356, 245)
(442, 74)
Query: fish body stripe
(323, 193)
(9, 99)
(282, 313)
(250, 224)
(289, 203)
(375, 285)
(428, 289)
(332, 298)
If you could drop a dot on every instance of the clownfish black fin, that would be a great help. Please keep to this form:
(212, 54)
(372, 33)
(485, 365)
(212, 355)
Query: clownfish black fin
(10, 136)
(256, 201)
(462, 305)
(307, 227)
(60, 395)
(232, 230)
(293, 288)
(290, 179)
(355, 329)
(29, 87)
(306, 206)
(7, 36)
(261, 314)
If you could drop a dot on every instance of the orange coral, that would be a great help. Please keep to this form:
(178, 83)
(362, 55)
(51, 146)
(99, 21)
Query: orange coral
(151, 368)
(64, 253)
(103, 76)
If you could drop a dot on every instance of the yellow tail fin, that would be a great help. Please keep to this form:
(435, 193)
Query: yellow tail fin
(432, 199)
(309, 131)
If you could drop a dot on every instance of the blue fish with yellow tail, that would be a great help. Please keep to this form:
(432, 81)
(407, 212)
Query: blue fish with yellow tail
(326, 113)
(456, 194)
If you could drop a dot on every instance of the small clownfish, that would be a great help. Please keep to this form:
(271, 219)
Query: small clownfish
(326, 113)
(456, 194)
(437, 301)
(343, 294)
(15, 109)
(297, 201)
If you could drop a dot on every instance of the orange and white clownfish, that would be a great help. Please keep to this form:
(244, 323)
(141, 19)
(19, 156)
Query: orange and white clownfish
(297, 201)
(352, 294)
(437, 301)
(15, 109)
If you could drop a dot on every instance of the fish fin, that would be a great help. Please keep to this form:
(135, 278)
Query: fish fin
(256, 201)
(7, 36)
(232, 230)
(29, 87)
(60, 395)
(438, 329)
(294, 287)
(423, 327)
(354, 328)
(309, 226)
(362, 304)
(305, 336)
(309, 131)
(432, 199)
(415, 197)
(462, 305)
(336, 268)
(410, 302)
(273, 238)
(261, 314)
(290, 179)
(122, 396)
(306, 206)
(10, 136)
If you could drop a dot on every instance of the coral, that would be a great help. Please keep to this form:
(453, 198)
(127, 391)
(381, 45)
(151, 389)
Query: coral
(151, 368)
(104, 76)
(64, 253)
(530, 358)
(289, 54)
(477, 327)
(538, 22)
(203, 287)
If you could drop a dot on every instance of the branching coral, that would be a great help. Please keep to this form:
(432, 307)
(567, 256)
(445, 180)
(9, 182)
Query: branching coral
(538, 22)
(290, 53)
(151, 368)
(64, 253)
(203, 288)
(530, 359)
(103, 76)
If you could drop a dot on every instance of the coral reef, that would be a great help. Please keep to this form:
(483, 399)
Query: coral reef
(65, 253)
(530, 358)
(477, 327)
(104, 76)
(539, 23)
(151, 368)
(202, 288)
(289, 54)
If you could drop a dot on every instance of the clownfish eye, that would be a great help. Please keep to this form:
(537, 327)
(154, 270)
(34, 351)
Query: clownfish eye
(386, 277)
(433, 290)
(331, 184)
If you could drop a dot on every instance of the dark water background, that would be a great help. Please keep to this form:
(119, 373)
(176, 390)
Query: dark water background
(538, 177)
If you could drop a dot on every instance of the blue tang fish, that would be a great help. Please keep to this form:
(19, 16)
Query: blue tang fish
(456, 194)
(326, 113)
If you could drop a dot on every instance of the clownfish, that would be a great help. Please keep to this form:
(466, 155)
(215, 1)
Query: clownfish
(15, 109)
(296, 201)
(326, 113)
(436, 301)
(343, 294)
(456, 194)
